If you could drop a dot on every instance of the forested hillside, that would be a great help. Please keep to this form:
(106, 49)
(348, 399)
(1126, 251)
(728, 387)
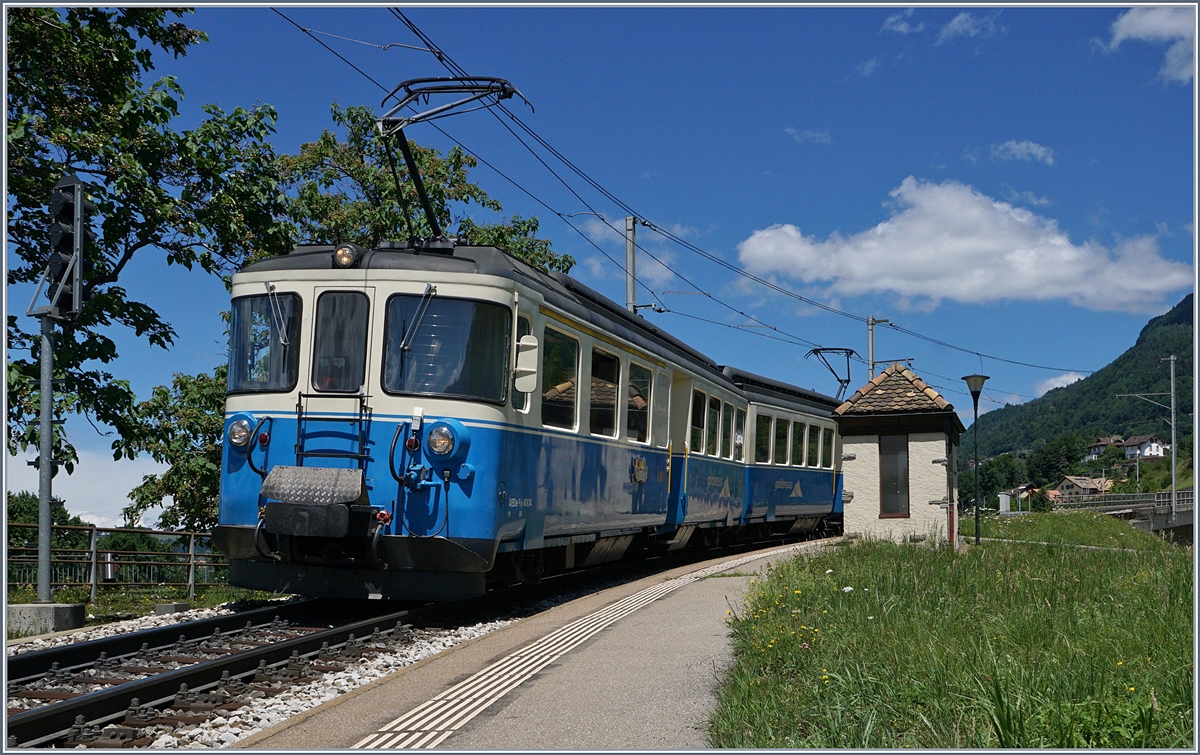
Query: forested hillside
(1090, 405)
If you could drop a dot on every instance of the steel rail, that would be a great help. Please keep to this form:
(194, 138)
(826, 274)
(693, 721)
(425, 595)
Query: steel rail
(38, 662)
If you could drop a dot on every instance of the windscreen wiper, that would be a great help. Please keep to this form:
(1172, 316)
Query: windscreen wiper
(422, 308)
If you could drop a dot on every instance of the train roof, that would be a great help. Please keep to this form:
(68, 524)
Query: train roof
(567, 294)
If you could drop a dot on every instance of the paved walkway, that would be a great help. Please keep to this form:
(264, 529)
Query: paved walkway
(633, 667)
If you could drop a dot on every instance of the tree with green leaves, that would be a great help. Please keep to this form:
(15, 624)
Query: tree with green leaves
(22, 508)
(79, 102)
(345, 191)
(180, 426)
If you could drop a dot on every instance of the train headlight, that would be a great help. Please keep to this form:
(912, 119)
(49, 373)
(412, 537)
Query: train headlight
(345, 256)
(239, 432)
(441, 440)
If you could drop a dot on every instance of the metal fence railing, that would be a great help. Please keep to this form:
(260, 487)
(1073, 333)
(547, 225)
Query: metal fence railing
(1161, 498)
(103, 557)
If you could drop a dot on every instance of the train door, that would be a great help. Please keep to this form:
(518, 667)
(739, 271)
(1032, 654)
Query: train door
(332, 415)
(681, 397)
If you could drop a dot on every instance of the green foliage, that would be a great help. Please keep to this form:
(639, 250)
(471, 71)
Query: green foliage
(1066, 527)
(344, 191)
(1090, 407)
(1057, 458)
(180, 426)
(22, 508)
(1004, 645)
(1039, 502)
(79, 102)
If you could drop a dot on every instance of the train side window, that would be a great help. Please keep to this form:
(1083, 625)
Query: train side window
(662, 403)
(739, 430)
(814, 445)
(606, 378)
(798, 444)
(560, 372)
(827, 448)
(697, 439)
(762, 440)
(520, 401)
(637, 418)
(714, 426)
(339, 360)
(781, 440)
(727, 432)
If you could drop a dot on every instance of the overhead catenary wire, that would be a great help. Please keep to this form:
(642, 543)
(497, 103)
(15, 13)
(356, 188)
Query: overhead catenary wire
(454, 67)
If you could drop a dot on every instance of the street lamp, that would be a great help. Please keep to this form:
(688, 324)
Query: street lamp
(975, 386)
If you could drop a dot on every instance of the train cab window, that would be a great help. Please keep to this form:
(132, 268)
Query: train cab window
(521, 400)
(606, 378)
(762, 440)
(798, 444)
(560, 371)
(637, 405)
(814, 445)
(697, 436)
(662, 403)
(727, 432)
(714, 425)
(455, 348)
(739, 431)
(781, 441)
(827, 448)
(264, 343)
(340, 341)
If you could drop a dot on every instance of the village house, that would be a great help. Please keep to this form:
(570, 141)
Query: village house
(1143, 446)
(1101, 445)
(899, 450)
(1076, 485)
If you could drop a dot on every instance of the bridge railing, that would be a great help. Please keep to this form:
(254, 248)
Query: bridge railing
(1131, 500)
(97, 557)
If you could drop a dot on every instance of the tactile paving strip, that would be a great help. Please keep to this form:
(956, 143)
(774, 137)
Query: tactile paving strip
(430, 723)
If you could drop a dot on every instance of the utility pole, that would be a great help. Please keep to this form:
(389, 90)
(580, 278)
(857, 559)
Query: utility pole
(1174, 452)
(45, 460)
(630, 264)
(871, 321)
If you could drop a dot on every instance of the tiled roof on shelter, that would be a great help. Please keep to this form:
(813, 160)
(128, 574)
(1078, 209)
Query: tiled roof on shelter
(896, 389)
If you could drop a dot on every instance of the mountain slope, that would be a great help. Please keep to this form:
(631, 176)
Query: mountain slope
(1090, 405)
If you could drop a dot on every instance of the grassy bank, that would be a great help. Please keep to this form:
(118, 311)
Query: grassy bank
(1078, 527)
(1006, 645)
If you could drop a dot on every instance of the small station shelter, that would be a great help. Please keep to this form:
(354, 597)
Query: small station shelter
(899, 450)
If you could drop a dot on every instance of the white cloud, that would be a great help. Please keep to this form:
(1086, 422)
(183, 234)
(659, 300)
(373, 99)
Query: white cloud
(1160, 25)
(1058, 381)
(1023, 150)
(899, 23)
(1026, 197)
(818, 137)
(867, 67)
(966, 25)
(970, 155)
(97, 491)
(949, 241)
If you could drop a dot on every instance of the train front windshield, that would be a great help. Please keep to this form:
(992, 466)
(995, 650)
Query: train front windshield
(459, 348)
(264, 353)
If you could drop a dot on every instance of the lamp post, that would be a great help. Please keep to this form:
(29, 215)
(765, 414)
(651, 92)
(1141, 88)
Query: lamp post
(975, 385)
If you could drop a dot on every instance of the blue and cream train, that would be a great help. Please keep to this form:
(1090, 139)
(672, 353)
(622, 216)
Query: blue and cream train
(420, 422)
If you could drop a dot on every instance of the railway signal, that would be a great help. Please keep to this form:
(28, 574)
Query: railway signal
(69, 235)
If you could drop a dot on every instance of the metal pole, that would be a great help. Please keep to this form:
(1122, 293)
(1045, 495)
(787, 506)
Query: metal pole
(45, 461)
(1174, 492)
(95, 564)
(630, 265)
(870, 347)
(976, 402)
(192, 567)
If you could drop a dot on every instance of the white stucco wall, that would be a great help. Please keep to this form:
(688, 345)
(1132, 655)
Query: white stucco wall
(926, 482)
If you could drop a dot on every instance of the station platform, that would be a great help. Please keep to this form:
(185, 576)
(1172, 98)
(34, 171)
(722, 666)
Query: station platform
(632, 667)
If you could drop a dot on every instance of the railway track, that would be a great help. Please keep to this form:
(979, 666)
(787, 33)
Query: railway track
(117, 692)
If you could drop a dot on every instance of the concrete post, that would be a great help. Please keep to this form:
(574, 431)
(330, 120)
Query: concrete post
(192, 567)
(45, 461)
(95, 564)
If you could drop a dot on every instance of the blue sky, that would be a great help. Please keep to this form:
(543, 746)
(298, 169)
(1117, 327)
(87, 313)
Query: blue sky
(1018, 182)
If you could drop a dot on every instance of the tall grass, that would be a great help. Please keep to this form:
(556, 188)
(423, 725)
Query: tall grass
(1006, 645)
(1079, 527)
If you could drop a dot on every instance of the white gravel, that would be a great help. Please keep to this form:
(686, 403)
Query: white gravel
(152, 621)
(227, 727)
